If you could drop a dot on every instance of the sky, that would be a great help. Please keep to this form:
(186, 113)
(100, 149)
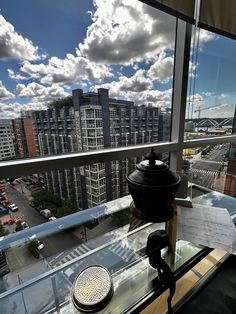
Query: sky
(49, 48)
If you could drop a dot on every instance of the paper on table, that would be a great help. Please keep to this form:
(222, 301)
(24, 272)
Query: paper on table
(208, 226)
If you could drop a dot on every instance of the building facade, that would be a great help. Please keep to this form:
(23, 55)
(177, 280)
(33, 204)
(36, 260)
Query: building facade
(106, 122)
(7, 140)
(55, 130)
(26, 140)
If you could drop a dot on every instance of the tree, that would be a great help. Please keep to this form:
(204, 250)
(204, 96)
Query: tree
(46, 198)
(61, 102)
(68, 207)
(186, 165)
(33, 248)
(3, 231)
(121, 218)
(18, 226)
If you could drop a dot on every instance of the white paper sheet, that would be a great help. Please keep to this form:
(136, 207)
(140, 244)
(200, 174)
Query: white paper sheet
(208, 226)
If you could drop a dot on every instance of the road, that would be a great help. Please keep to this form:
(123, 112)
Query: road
(53, 244)
(206, 170)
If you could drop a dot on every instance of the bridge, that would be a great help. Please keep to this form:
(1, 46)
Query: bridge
(213, 122)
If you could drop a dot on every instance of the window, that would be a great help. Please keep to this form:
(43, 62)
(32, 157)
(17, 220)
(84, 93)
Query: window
(211, 99)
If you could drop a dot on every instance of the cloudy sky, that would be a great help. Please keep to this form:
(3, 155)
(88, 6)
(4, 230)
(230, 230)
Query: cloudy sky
(48, 48)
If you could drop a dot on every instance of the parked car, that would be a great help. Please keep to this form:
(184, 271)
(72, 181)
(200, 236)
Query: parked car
(39, 243)
(13, 207)
(3, 211)
(46, 213)
(2, 198)
(7, 202)
(9, 222)
(37, 207)
(24, 225)
(52, 218)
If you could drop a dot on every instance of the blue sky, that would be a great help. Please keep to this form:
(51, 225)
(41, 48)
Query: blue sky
(48, 48)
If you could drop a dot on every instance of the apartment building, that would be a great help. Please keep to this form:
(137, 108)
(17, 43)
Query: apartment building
(107, 122)
(26, 140)
(55, 130)
(7, 140)
(95, 121)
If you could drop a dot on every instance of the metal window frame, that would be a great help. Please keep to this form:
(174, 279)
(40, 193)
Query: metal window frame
(14, 168)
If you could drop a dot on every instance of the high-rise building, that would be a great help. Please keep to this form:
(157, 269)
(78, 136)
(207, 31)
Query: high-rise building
(56, 133)
(95, 121)
(106, 122)
(7, 140)
(27, 145)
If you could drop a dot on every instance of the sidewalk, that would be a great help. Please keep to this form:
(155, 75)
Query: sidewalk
(19, 257)
(219, 183)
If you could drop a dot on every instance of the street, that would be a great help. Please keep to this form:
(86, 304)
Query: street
(206, 170)
(52, 244)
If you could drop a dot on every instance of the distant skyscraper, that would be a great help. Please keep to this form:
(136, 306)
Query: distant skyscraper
(7, 140)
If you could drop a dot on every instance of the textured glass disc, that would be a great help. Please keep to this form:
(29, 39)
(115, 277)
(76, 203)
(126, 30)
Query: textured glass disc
(92, 285)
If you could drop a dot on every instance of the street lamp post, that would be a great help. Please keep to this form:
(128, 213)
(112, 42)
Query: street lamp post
(22, 191)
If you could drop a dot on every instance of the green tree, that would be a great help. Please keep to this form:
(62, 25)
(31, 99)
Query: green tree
(121, 218)
(226, 155)
(33, 248)
(45, 198)
(3, 231)
(186, 165)
(18, 226)
(68, 207)
(61, 102)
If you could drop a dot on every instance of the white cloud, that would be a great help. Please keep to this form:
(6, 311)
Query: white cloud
(162, 69)
(137, 88)
(195, 99)
(10, 111)
(15, 46)
(4, 93)
(124, 31)
(16, 76)
(136, 83)
(33, 70)
(39, 92)
(208, 94)
(13, 110)
(206, 36)
(68, 71)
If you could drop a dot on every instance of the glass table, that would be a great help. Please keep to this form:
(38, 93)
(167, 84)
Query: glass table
(122, 252)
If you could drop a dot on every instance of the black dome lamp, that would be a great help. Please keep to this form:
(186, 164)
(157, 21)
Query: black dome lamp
(153, 188)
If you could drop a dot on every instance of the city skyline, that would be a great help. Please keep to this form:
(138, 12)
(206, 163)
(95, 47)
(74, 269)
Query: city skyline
(104, 44)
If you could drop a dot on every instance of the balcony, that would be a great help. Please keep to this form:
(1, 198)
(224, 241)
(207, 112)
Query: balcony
(95, 235)
(46, 285)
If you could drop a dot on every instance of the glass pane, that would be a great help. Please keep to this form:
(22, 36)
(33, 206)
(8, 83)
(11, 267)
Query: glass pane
(211, 88)
(212, 168)
(100, 78)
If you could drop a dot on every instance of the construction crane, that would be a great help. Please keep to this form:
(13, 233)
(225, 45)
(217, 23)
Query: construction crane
(201, 109)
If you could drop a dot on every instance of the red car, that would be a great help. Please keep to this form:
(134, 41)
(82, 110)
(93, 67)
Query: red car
(7, 202)
(9, 222)
(2, 188)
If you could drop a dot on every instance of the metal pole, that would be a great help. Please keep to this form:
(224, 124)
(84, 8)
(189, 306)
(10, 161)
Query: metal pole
(179, 97)
(56, 298)
(21, 187)
(22, 294)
